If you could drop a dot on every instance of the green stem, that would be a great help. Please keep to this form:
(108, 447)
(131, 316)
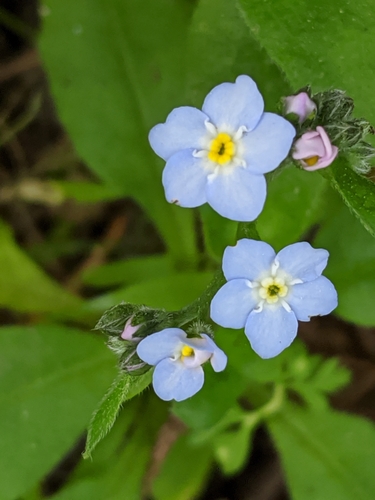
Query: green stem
(200, 307)
(272, 406)
(275, 403)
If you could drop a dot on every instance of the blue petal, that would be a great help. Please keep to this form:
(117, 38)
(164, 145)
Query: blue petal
(248, 259)
(302, 261)
(271, 331)
(172, 380)
(232, 304)
(160, 345)
(237, 194)
(232, 105)
(199, 343)
(185, 179)
(183, 129)
(219, 358)
(269, 144)
(315, 298)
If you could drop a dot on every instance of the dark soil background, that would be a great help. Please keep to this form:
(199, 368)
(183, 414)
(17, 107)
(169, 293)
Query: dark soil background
(66, 238)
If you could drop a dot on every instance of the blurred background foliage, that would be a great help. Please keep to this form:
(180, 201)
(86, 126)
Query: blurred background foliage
(84, 225)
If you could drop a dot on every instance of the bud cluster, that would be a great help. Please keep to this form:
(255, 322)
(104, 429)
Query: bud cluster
(125, 326)
(326, 119)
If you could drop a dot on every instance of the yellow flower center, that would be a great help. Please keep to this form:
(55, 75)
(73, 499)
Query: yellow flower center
(272, 289)
(311, 161)
(222, 149)
(187, 351)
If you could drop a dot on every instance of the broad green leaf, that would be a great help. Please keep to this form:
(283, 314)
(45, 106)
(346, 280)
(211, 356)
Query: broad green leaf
(351, 265)
(119, 469)
(324, 378)
(172, 292)
(220, 49)
(356, 303)
(325, 44)
(325, 454)
(218, 232)
(184, 471)
(87, 192)
(114, 72)
(357, 192)
(293, 204)
(51, 379)
(24, 286)
(124, 387)
(129, 271)
(330, 376)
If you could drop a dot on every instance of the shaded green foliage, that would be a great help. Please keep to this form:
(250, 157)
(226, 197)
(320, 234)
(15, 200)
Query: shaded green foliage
(117, 68)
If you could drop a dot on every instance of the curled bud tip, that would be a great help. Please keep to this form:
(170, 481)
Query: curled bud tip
(129, 330)
(314, 150)
(300, 105)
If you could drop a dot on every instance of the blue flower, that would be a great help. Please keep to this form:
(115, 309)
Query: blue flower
(267, 293)
(177, 359)
(219, 155)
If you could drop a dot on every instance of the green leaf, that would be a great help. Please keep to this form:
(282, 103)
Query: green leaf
(293, 204)
(114, 73)
(87, 192)
(129, 271)
(119, 470)
(356, 304)
(351, 265)
(321, 377)
(24, 286)
(357, 192)
(124, 387)
(184, 471)
(325, 44)
(330, 376)
(51, 378)
(172, 292)
(220, 49)
(325, 454)
(218, 232)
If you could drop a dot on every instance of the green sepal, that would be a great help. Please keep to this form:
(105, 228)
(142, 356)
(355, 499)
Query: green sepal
(195, 329)
(113, 321)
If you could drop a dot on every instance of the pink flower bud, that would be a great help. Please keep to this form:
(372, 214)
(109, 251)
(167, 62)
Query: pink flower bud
(314, 150)
(301, 105)
(129, 330)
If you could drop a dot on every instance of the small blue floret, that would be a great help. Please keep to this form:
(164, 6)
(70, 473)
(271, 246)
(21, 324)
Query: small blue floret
(177, 359)
(219, 155)
(267, 293)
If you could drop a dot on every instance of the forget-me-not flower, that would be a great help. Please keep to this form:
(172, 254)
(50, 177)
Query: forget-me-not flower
(219, 155)
(177, 359)
(267, 292)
